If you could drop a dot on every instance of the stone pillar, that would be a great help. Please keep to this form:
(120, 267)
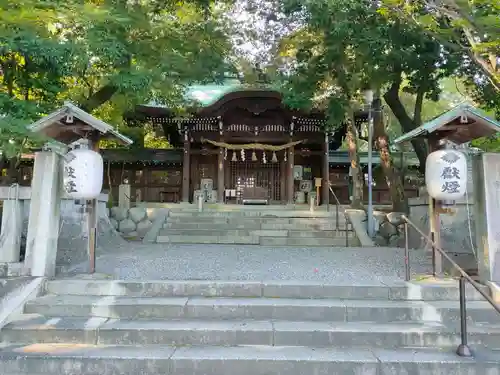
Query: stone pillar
(12, 224)
(487, 215)
(44, 219)
(289, 175)
(185, 170)
(220, 175)
(124, 196)
(326, 174)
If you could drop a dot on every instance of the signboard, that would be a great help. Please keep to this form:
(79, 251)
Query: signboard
(307, 174)
(298, 172)
(306, 186)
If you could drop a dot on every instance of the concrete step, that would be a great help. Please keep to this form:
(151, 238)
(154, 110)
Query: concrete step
(255, 213)
(259, 309)
(397, 290)
(33, 328)
(315, 234)
(251, 225)
(212, 226)
(59, 359)
(208, 232)
(338, 241)
(208, 239)
(248, 233)
(331, 225)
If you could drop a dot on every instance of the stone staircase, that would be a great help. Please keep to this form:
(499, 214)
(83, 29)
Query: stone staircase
(254, 227)
(105, 327)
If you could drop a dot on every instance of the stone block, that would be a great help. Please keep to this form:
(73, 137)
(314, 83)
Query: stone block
(387, 230)
(127, 226)
(143, 227)
(395, 218)
(137, 214)
(119, 213)
(114, 223)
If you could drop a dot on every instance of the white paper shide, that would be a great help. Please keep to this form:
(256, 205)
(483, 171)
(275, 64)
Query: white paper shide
(446, 174)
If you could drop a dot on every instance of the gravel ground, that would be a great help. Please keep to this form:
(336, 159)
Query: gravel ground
(230, 262)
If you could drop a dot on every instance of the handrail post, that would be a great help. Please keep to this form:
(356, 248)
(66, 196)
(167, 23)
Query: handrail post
(346, 232)
(463, 349)
(337, 225)
(407, 254)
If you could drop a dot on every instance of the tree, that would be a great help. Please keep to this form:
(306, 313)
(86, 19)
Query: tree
(346, 46)
(119, 53)
(469, 28)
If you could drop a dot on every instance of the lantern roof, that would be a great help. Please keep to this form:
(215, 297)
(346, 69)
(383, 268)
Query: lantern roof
(70, 123)
(459, 125)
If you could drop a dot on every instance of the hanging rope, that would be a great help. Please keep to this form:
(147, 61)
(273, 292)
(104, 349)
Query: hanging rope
(253, 146)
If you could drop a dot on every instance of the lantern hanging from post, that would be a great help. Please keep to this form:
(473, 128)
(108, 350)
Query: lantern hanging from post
(446, 174)
(83, 174)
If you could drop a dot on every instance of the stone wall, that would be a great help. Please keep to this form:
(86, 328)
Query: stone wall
(389, 229)
(132, 223)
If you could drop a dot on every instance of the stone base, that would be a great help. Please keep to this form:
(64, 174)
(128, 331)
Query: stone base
(73, 236)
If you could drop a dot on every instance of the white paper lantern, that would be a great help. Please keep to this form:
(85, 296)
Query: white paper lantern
(83, 176)
(446, 174)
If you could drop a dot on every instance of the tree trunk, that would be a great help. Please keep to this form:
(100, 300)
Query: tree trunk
(12, 175)
(407, 124)
(392, 178)
(357, 182)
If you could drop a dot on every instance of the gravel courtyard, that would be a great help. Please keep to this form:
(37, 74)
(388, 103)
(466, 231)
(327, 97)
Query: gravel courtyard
(231, 262)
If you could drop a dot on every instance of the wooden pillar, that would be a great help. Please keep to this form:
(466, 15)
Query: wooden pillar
(435, 222)
(186, 161)
(289, 175)
(93, 214)
(283, 177)
(220, 175)
(326, 173)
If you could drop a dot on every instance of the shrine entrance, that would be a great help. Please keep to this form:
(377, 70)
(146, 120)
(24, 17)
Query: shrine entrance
(255, 180)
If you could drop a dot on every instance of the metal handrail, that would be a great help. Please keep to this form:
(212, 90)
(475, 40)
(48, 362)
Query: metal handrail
(347, 222)
(337, 207)
(463, 349)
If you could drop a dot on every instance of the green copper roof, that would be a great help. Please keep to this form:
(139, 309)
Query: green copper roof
(209, 94)
(447, 117)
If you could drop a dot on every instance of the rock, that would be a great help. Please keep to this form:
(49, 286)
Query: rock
(114, 223)
(143, 227)
(155, 213)
(395, 218)
(358, 215)
(379, 240)
(396, 241)
(127, 226)
(387, 230)
(119, 213)
(380, 216)
(137, 214)
(131, 235)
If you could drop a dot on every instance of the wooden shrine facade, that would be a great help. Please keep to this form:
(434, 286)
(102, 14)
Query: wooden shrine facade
(247, 144)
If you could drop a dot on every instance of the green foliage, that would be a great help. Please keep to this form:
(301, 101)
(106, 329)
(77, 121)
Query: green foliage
(468, 28)
(346, 45)
(105, 55)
